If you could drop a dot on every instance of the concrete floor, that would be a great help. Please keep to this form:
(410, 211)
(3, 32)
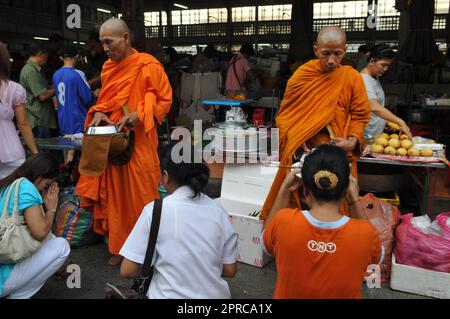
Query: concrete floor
(249, 283)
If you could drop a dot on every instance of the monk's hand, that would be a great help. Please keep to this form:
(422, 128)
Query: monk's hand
(292, 182)
(347, 144)
(100, 118)
(302, 150)
(129, 121)
(305, 148)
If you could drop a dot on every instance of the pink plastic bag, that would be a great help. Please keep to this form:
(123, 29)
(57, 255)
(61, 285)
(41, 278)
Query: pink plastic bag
(384, 217)
(444, 222)
(419, 249)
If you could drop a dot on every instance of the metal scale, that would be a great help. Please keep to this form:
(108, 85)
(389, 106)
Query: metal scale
(232, 127)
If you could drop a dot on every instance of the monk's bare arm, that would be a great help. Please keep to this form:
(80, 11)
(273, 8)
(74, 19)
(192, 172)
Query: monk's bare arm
(100, 118)
(359, 109)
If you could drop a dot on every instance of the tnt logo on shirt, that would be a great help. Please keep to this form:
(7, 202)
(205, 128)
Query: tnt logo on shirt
(322, 247)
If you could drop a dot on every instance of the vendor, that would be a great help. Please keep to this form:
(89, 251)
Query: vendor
(379, 60)
(240, 73)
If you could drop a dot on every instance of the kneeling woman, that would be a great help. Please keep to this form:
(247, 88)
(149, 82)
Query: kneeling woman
(196, 244)
(26, 278)
(320, 253)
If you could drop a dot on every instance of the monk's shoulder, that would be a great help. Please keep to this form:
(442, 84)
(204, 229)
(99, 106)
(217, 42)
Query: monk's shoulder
(310, 65)
(352, 73)
(308, 68)
(353, 77)
(151, 64)
(149, 59)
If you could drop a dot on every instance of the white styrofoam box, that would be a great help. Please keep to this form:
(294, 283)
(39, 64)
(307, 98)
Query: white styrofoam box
(249, 231)
(420, 281)
(244, 190)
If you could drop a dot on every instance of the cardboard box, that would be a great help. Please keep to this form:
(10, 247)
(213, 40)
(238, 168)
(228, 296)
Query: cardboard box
(395, 201)
(244, 190)
(420, 281)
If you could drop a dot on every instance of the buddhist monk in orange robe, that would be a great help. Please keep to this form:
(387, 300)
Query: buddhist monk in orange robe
(139, 81)
(321, 93)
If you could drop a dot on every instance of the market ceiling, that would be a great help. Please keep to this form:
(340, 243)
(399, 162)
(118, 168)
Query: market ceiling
(196, 4)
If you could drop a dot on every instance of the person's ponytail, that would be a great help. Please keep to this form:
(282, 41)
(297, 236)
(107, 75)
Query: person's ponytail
(193, 175)
(197, 178)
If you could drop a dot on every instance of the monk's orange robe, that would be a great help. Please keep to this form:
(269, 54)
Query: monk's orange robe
(313, 100)
(119, 195)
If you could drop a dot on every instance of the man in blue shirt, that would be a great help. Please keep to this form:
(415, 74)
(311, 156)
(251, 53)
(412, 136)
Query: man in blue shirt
(73, 93)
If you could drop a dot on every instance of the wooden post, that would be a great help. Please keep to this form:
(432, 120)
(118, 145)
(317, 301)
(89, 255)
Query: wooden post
(301, 43)
(167, 6)
(133, 14)
(229, 25)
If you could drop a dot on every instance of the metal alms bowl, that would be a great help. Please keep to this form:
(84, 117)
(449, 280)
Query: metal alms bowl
(102, 130)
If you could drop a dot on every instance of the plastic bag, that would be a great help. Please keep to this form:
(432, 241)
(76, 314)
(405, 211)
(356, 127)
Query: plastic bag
(73, 222)
(421, 249)
(443, 220)
(384, 217)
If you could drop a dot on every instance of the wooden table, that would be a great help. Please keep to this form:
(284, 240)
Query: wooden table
(427, 186)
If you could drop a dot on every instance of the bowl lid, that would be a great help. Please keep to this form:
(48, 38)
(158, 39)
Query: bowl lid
(102, 130)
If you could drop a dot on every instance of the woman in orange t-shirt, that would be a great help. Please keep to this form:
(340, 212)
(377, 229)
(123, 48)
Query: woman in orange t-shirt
(320, 253)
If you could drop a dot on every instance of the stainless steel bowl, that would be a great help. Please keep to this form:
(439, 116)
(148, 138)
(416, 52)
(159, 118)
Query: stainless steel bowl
(231, 125)
(102, 130)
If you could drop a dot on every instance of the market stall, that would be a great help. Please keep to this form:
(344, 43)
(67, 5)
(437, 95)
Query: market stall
(418, 154)
(425, 186)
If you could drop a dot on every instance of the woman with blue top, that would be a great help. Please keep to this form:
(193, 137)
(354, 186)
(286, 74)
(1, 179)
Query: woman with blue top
(26, 278)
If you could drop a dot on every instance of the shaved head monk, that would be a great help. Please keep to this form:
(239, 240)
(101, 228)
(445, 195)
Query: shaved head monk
(321, 97)
(136, 95)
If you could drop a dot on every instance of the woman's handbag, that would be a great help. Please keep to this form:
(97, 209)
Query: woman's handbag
(16, 242)
(139, 288)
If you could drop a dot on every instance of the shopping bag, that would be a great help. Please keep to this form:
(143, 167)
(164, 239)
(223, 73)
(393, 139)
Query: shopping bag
(384, 217)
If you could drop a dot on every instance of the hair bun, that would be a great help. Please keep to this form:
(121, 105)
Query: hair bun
(326, 180)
